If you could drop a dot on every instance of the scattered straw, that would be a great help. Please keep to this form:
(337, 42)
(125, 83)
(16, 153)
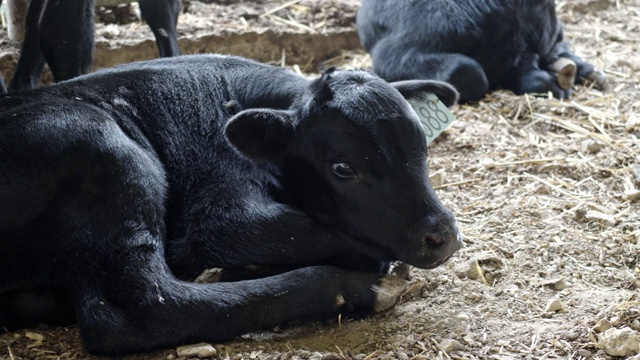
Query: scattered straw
(281, 7)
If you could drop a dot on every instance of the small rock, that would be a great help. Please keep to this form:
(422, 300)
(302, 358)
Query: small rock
(590, 146)
(463, 316)
(553, 305)
(579, 214)
(556, 284)
(620, 342)
(476, 267)
(603, 218)
(469, 269)
(34, 336)
(541, 189)
(632, 195)
(635, 170)
(448, 345)
(560, 285)
(170, 357)
(438, 178)
(201, 350)
(584, 353)
(487, 163)
(602, 325)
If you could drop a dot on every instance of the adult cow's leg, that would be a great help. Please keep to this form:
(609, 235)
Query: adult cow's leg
(393, 62)
(67, 45)
(30, 64)
(162, 17)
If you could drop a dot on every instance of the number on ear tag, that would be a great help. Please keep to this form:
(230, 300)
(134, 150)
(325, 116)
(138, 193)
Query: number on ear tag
(433, 114)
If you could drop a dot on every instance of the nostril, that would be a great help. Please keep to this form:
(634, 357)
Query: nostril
(429, 240)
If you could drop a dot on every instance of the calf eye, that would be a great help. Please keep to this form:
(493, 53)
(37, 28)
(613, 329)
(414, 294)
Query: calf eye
(344, 171)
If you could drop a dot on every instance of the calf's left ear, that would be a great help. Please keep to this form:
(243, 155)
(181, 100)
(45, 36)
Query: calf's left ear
(260, 134)
(416, 88)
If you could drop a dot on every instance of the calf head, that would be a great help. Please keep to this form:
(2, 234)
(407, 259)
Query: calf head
(354, 153)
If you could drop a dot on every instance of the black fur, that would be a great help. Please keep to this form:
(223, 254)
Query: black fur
(60, 33)
(475, 45)
(115, 185)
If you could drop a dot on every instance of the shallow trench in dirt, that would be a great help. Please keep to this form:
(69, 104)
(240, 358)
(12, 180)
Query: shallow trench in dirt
(306, 33)
(546, 193)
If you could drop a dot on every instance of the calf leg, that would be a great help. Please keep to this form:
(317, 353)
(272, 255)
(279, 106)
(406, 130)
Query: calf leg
(585, 71)
(527, 77)
(146, 308)
(67, 45)
(393, 63)
(31, 62)
(274, 239)
(162, 17)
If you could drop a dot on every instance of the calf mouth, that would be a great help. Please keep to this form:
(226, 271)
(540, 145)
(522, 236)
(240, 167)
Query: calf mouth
(434, 253)
(436, 263)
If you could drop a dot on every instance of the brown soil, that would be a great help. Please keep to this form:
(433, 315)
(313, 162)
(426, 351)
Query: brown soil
(545, 191)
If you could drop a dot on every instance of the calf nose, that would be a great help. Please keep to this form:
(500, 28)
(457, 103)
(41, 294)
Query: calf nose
(445, 231)
(441, 240)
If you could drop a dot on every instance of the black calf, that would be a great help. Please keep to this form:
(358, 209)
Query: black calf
(113, 182)
(61, 32)
(475, 45)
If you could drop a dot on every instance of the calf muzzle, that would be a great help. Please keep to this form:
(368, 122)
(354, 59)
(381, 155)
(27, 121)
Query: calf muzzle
(437, 244)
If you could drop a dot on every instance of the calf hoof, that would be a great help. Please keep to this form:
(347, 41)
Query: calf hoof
(388, 291)
(598, 78)
(401, 270)
(565, 70)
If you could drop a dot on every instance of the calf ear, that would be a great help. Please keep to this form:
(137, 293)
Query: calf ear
(260, 134)
(415, 88)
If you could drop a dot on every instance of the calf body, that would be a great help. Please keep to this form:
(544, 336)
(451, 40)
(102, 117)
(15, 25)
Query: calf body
(61, 33)
(118, 186)
(475, 45)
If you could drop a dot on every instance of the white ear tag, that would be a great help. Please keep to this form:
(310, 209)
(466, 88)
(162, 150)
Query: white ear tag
(433, 114)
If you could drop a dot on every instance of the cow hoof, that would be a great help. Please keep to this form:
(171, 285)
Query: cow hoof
(598, 78)
(388, 291)
(565, 70)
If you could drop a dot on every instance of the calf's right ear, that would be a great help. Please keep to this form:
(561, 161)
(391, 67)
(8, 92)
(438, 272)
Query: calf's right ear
(260, 134)
(416, 88)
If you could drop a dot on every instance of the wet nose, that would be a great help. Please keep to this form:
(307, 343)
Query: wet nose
(443, 233)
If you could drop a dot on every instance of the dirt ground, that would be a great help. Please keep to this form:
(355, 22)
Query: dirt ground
(546, 193)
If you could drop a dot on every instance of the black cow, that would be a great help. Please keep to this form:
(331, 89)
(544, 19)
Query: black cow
(116, 184)
(475, 45)
(61, 33)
